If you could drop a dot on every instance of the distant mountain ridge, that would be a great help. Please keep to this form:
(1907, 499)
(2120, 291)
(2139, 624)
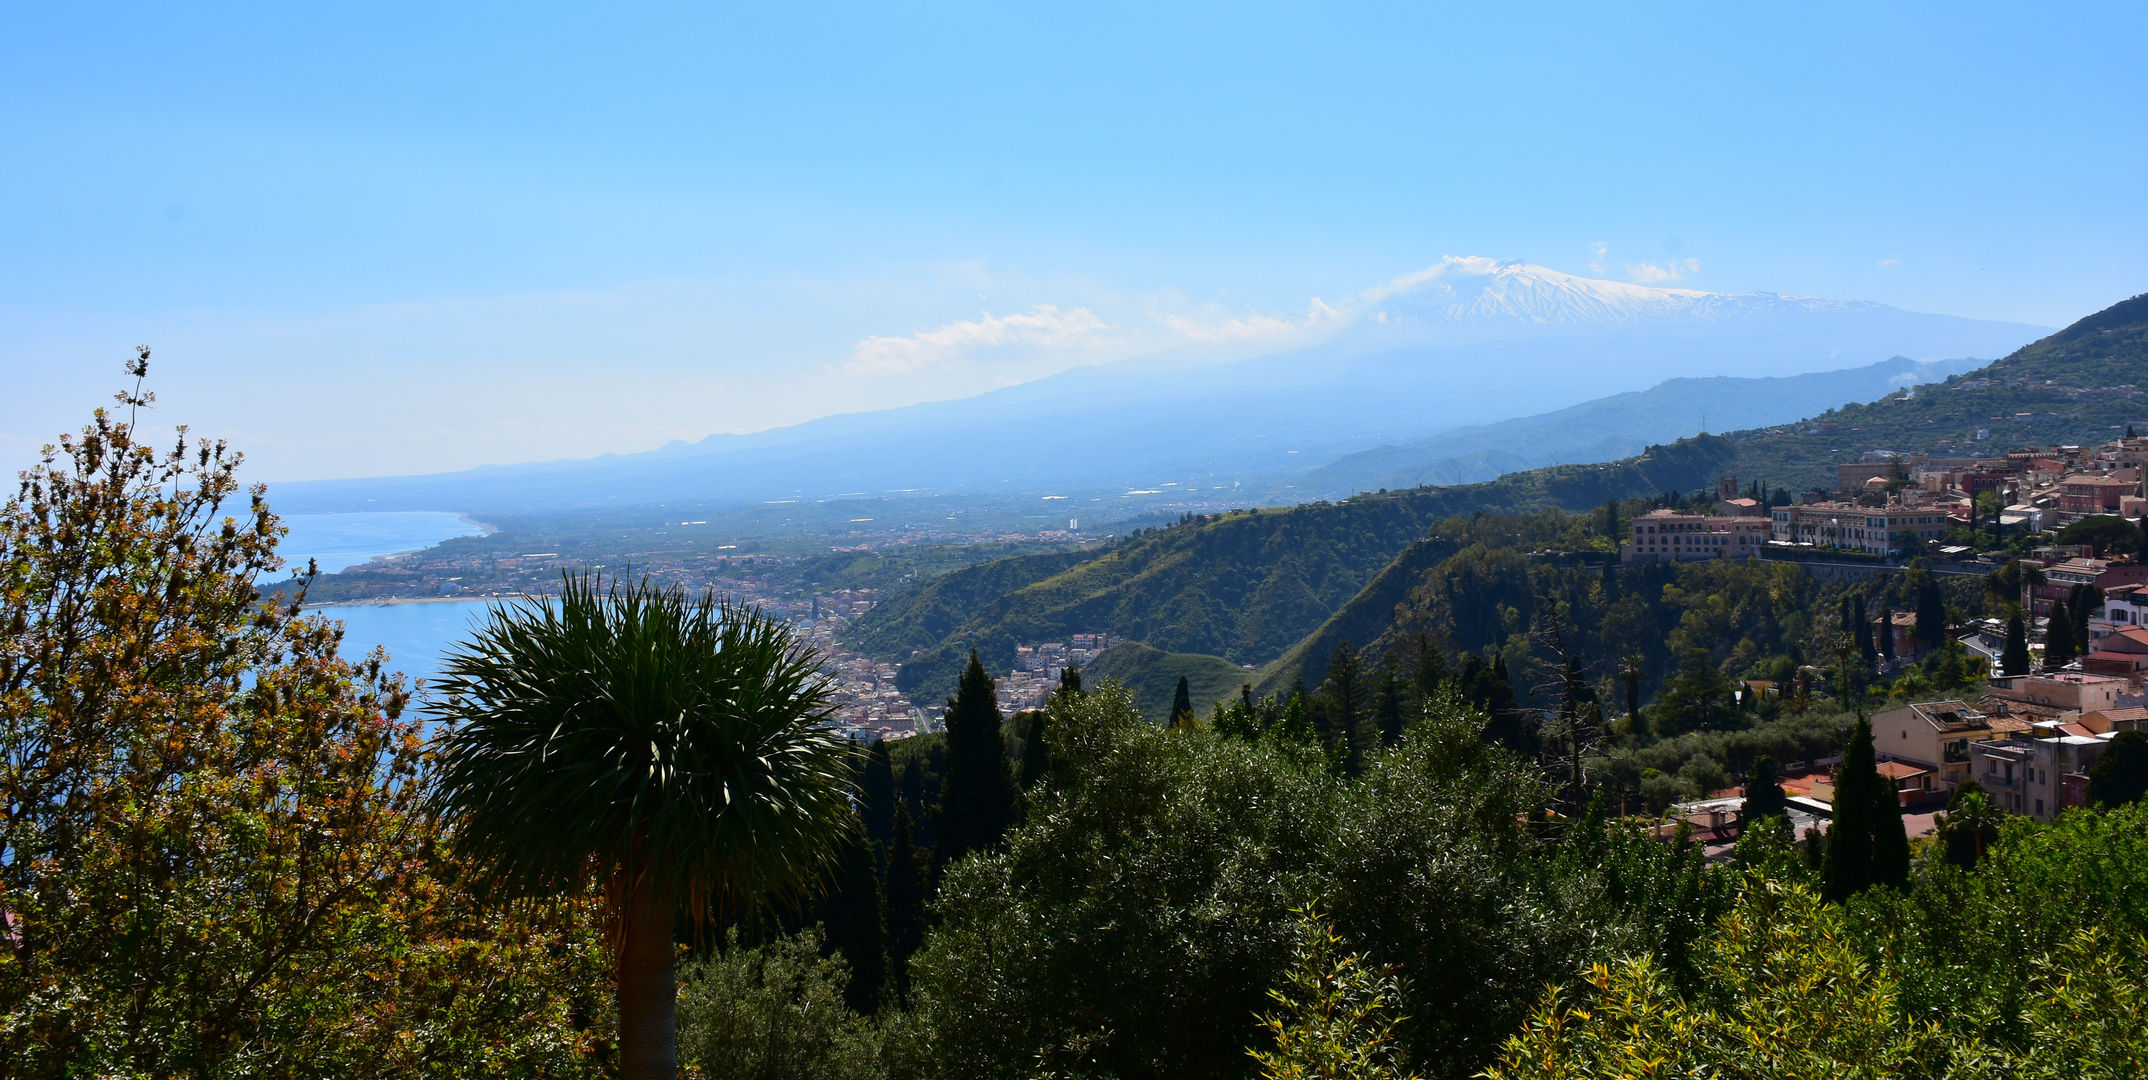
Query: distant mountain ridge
(1464, 341)
(1618, 426)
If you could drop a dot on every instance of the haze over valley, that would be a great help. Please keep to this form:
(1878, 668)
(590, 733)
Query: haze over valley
(1431, 352)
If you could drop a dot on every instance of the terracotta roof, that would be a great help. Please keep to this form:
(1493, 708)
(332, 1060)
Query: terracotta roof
(1901, 770)
(2076, 729)
(2126, 715)
(1996, 704)
(2007, 725)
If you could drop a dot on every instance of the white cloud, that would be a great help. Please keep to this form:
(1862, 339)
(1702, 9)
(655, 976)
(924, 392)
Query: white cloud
(1041, 327)
(1890, 262)
(1650, 273)
(1254, 326)
(1599, 249)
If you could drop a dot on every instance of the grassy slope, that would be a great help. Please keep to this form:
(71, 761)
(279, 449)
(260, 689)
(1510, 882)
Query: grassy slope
(1152, 675)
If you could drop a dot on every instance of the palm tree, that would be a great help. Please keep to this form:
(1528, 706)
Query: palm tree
(1974, 819)
(670, 749)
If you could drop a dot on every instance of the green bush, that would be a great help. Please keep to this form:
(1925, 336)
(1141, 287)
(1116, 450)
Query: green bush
(775, 1012)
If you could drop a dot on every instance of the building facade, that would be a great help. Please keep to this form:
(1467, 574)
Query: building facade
(1876, 530)
(1936, 735)
(1669, 536)
(2037, 777)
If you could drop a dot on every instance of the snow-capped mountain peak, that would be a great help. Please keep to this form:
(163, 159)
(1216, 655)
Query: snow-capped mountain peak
(1474, 289)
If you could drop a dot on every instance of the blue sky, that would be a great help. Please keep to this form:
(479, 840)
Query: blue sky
(389, 238)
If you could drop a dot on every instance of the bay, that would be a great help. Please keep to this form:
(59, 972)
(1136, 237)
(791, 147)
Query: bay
(340, 541)
(416, 634)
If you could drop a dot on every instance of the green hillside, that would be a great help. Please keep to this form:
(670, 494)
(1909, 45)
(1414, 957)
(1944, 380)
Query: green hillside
(1152, 676)
(1244, 586)
(1364, 619)
(2082, 386)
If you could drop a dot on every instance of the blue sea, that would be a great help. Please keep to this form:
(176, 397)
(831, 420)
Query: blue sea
(415, 635)
(341, 541)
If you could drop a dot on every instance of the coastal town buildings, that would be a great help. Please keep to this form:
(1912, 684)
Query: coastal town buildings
(1670, 536)
(1876, 530)
(1936, 736)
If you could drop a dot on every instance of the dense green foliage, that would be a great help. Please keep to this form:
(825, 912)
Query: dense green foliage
(2034, 964)
(774, 1012)
(216, 857)
(1135, 924)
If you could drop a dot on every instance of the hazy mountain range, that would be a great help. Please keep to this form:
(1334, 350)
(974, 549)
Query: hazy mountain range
(1467, 341)
(1618, 426)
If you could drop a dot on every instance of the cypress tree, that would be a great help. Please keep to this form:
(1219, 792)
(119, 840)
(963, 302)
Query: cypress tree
(1890, 842)
(1931, 612)
(1886, 633)
(1182, 704)
(1629, 671)
(1865, 651)
(2058, 637)
(1343, 702)
(920, 797)
(1036, 749)
(1070, 680)
(1764, 791)
(2015, 660)
(976, 802)
(905, 899)
(853, 912)
(876, 794)
(1388, 709)
(1848, 869)
(2083, 603)
(1297, 719)
(1431, 672)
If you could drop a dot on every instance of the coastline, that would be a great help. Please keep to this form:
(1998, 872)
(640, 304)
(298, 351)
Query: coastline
(390, 601)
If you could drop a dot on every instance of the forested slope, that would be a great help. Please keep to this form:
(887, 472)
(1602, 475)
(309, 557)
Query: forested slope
(1364, 619)
(1244, 586)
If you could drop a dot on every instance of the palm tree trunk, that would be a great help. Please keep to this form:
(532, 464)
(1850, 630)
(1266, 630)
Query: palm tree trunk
(648, 991)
